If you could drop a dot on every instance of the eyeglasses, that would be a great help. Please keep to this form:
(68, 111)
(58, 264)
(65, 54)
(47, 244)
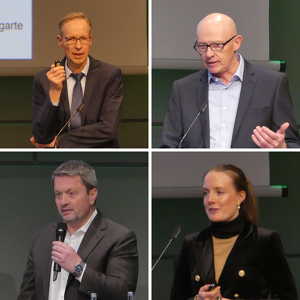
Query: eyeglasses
(73, 40)
(201, 48)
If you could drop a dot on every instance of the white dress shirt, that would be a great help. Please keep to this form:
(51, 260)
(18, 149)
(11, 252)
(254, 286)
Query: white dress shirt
(57, 288)
(223, 103)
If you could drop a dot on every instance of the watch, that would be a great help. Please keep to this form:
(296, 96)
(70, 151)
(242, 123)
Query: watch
(78, 269)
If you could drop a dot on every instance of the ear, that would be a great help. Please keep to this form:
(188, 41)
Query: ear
(90, 39)
(93, 195)
(237, 42)
(241, 197)
(59, 40)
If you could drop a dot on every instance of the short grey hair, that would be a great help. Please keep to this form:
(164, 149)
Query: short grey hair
(78, 167)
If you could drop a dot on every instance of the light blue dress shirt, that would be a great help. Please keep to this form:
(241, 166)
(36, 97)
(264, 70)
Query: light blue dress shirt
(223, 103)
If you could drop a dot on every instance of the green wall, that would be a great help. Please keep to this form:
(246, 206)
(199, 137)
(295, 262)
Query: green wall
(15, 113)
(27, 203)
(279, 214)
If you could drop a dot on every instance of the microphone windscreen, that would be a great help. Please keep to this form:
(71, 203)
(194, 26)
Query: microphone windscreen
(61, 231)
(175, 233)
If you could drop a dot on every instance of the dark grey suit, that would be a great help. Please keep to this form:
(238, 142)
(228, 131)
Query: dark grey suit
(100, 115)
(257, 251)
(264, 101)
(108, 249)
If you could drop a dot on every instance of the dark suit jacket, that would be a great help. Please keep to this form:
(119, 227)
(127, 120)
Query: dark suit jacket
(264, 101)
(257, 251)
(100, 115)
(108, 249)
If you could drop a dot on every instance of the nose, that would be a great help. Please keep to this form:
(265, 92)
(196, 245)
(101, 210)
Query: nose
(209, 53)
(64, 200)
(210, 198)
(78, 44)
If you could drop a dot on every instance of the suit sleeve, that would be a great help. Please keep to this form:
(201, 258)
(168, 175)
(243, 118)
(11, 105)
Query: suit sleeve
(103, 133)
(182, 288)
(43, 113)
(121, 272)
(173, 128)
(27, 291)
(280, 279)
(283, 112)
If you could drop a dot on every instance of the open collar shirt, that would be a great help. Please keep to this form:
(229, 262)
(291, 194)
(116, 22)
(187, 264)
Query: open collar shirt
(57, 288)
(223, 103)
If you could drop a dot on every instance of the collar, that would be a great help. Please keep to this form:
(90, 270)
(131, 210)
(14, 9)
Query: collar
(238, 75)
(248, 232)
(226, 230)
(84, 70)
(85, 227)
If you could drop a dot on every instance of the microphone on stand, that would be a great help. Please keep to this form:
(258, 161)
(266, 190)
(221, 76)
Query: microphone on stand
(78, 109)
(173, 237)
(61, 232)
(201, 111)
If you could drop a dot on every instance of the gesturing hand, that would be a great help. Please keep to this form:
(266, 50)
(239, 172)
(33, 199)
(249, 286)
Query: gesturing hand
(65, 256)
(263, 137)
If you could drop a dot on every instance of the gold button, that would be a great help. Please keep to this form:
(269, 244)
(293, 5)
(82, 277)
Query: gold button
(242, 273)
(197, 278)
(236, 295)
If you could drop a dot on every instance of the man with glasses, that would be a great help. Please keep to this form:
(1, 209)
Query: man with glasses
(80, 84)
(241, 105)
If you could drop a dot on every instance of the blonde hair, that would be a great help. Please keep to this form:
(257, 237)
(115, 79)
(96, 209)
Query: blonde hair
(72, 16)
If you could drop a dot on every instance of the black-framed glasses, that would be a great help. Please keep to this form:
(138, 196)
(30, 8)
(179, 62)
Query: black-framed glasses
(201, 48)
(73, 40)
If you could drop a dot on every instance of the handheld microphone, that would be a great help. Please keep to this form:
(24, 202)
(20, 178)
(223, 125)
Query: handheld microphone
(61, 232)
(201, 111)
(173, 237)
(78, 109)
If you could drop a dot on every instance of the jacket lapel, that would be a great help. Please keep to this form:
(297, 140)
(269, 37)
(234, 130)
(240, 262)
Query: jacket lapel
(89, 86)
(249, 80)
(92, 237)
(203, 248)
(239, 251)
(202, 97)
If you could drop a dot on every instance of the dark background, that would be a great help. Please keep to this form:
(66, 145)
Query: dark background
(279, 214)
(27, 203)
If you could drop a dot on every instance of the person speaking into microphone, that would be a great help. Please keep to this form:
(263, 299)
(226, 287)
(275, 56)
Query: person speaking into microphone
(96, 255)
(233, 258)
(60, 90)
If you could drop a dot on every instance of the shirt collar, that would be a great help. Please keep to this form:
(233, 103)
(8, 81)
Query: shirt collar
(84, 70)
(85, 227)
(237, 75)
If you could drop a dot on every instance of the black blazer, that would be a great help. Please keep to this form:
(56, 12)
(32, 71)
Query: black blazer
(264, 101)
(257, 251)
(100, 115)
(108, 249)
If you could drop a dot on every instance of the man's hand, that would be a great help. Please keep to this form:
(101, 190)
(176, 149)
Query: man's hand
(204, 294)
(263, 137)
(56, 76)
(36, 144)
(65, 256)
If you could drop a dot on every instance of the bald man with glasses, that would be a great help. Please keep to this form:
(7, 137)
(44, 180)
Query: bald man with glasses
(238, 105)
